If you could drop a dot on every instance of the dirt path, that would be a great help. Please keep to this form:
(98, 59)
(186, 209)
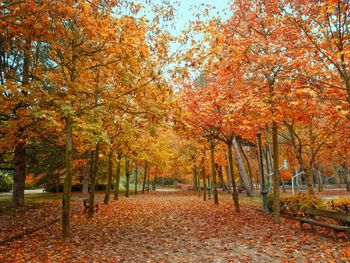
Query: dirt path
(173, 227)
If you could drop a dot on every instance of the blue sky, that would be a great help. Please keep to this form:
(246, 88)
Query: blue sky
(186, 9)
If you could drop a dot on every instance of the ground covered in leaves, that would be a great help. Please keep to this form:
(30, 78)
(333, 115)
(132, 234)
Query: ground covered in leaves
(165, 227)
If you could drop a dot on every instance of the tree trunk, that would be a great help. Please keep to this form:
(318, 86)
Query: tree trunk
(198, 180)
(110, 175)
(93, 181)
(57, 185)
(144, 177)
(127, 176)
(342, 181)
(204, 182)
(19, 163)
(228, 178)
(234, 188)
(258, 175)
(117, 177)
(347, 178)
(154, 180)
(242, 173)
(87, 175)
(319, 180)
(337, 174)
(276, 176)
(220, 175)
(68, 178)
(269, 164)
(136, 177)
(312, 156)
(195, 181)
(213, 171)
(250, 174)
(148, 181)
(309, 181)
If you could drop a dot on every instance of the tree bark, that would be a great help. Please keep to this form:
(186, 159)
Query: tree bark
(148, 181)
(93, 181)
(234, 188)
(136, 170)
(336, 174)
(220, 175)
(308, 171)
(347, 178)
(242, 173)
(19, 160)
(209, 182)
(228, 178)
(144, 177)
(213, 171)
(110, 175)
(127, 176)
(319, 180)
(117, 177)
(198, 180)
(154, 180)
(195, 181)
(67, 185)
(250, 174)
(309, 181)
(204, 182)
(276, 176)
(85, 189)
(19, 163)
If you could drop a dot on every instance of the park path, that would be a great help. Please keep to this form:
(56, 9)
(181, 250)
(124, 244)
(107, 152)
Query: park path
(175, 227)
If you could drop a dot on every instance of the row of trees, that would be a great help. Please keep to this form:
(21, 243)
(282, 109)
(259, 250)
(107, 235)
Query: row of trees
(281, 67)
(81, 88)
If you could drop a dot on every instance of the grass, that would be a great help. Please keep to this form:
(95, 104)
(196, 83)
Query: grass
(29, 200)
(33, 199)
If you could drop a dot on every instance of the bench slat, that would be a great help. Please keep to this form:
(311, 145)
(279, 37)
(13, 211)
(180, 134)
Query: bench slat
(328, 214)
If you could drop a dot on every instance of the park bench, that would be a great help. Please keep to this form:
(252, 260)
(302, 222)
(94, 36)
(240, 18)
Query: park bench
(86, 206)
(313, 216)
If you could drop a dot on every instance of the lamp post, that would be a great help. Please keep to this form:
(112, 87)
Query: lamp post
(263, 188)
